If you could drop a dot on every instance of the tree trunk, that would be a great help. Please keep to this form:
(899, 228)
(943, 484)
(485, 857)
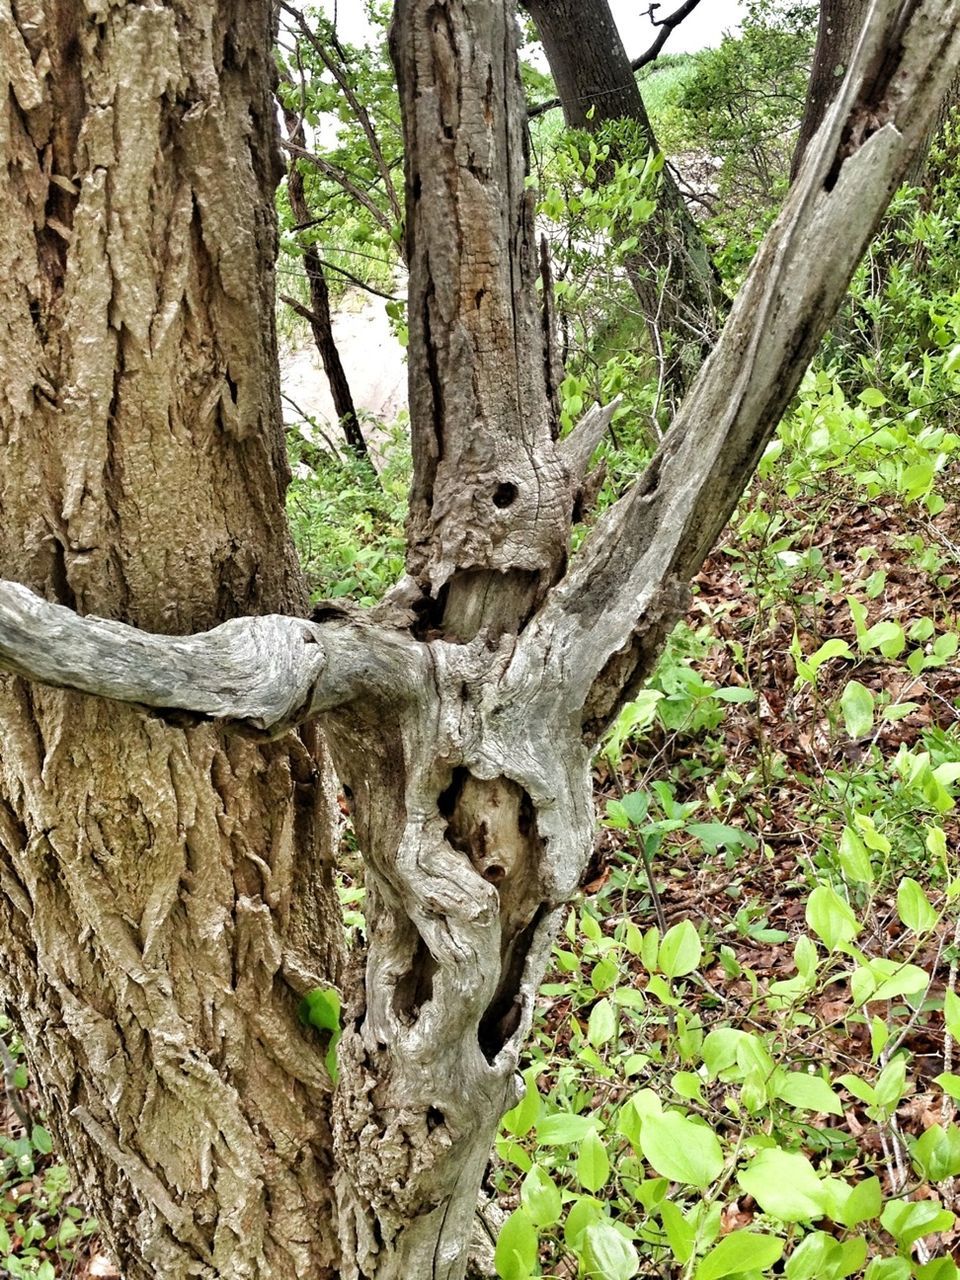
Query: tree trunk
(319, 317)
(672, 273)
(841, 22)
(167, 891)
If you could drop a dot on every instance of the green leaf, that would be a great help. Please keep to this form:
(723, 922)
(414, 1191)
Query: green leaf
(602, 1026)
(41, 1139)
(681, 1234)
(811, 1093)
(517, 1249)
(914, 908)
(541, 1197)
(911, 1220)
(738, 1252)
(888, 637)
(951, 1013)
(883, 979)
(606, 1254)
(680, 950)
(888, 1269)
(521, 1119)
(585, 1211)
(593, 1164)
(785, 1185)
(863, 1203)
(563, 1128)
(854, 859)
(856, 703)
(815, 1258)
(720, 1049)
(830, 918)
(936, 1153)
(681, 1150)
(872, 397)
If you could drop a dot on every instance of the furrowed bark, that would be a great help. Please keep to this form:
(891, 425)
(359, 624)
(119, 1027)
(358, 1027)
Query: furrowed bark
(490, 503)
(165, 895)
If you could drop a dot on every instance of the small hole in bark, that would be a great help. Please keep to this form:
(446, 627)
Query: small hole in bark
(505, 495)
(348, 793)
(494, 874)
(435, 1118)
(417, 187)
(478, 298)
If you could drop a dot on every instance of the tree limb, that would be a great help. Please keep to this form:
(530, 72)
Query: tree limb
(602, 625)
(261, 674)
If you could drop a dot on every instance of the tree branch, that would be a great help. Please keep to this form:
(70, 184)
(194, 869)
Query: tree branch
(603, 624)
(262, 675)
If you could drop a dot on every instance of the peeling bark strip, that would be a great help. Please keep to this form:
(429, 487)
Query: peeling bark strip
(165, 896)
(182, 1088)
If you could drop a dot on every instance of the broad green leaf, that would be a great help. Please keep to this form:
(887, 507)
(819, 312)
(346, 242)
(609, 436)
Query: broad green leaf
(739, 1252)
(681, 1234)
(911, 1220)
(914, 908)
(938, 1269)
(564, 1127)
(830, 918)
(521, 1118)
(785, 1185)
(949, 1083)
(864, 1203)
(888, 1269)
(829, 649)
(541, 1197)
(856, 703)
(586, 1210)
(593, 1164)
(888, 637)
(681, 1150)
(41, 1139)
(606, 1254)
(872, 397)
(719, 1050)
(951, 1013)
(816, 1257)
(883, 979)
(936, 1153)
(517, 1249)
(602, 1026)
(680, 950)
(854, 859)
(811, 1093)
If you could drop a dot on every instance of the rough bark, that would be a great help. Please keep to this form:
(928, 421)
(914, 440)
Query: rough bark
(462, 735)
(672, 273)
(319, 315)
(166, 893)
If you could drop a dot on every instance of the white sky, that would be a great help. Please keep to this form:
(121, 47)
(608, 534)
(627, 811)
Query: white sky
(703, 29)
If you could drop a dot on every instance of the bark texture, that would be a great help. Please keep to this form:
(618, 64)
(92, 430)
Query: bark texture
(166, 893)
(672, 273)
